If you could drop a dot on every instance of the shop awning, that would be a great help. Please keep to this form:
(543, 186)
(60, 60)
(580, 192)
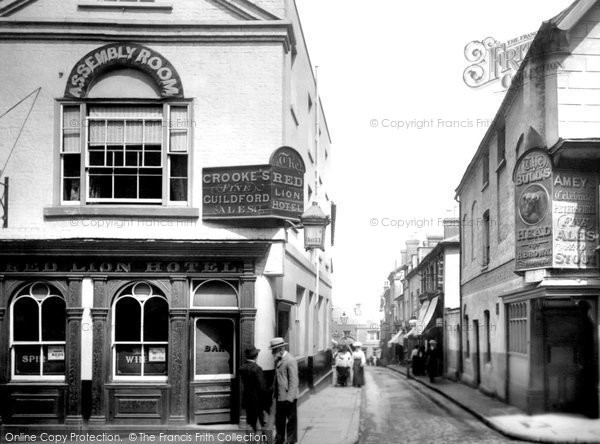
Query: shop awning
(429, 315)
(397, 338)
(423, 312)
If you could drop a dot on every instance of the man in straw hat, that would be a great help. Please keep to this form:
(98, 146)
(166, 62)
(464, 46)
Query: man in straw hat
(286, 392)
(254, 394)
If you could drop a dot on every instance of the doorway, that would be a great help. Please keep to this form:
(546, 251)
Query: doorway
(213, 393)
(570, 358)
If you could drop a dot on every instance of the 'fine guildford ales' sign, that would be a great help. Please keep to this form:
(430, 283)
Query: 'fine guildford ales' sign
(556, 215)
(275, 190)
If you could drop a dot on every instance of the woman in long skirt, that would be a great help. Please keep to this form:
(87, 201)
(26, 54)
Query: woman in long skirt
(358, 380)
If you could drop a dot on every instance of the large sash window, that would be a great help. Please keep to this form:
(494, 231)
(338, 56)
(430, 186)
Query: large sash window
(124, 154)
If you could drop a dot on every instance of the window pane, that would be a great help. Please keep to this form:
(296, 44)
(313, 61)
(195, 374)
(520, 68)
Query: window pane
(53, 319)
(215, 294)
(178, 141)
(150, 187)
(26, 321)
(127, 320)
(133, 155)
(156, 320)
(125, 186)
(71, 189)
(179, 119)
(129, 360)
(71, 143)
(115, 132)
(134, 132)
(71, 165)
(178, 190)
(97, 130)
(152, 158)
(153, 132)
(179, 166)
(71, 118)
(155, 360)
(214, 346)
(54, 359)
(100, 186)
(27, 359)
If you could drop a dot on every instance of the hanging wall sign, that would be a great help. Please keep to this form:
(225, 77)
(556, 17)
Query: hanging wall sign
(275, 190)
(123, 55)
(533, 205)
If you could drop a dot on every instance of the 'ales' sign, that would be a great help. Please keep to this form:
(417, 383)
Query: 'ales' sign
(556, 215)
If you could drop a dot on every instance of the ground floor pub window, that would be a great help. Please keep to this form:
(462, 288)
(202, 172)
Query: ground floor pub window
(37, 333)
(140, 333)
(214, 348)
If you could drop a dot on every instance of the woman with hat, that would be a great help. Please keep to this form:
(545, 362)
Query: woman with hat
(254, 395)
(358, 368)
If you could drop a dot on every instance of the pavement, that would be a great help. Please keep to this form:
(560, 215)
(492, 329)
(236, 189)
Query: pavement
(511, 421)
(330, 416)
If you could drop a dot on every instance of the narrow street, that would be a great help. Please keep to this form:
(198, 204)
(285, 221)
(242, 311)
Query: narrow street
(397, 410)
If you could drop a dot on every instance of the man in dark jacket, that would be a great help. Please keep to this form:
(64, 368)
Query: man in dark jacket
(254, 395)
(432, 360)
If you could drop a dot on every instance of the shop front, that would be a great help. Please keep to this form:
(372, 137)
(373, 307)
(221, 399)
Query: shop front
(125, 334)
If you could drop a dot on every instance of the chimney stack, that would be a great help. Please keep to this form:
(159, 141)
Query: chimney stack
(451, 227)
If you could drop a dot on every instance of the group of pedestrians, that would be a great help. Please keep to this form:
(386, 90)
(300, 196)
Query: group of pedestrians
(350, 363)
(256, 396)
(426, 361)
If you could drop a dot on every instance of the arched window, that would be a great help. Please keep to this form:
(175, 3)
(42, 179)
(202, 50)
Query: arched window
(214, 293)
(140, 332)
(37, 333)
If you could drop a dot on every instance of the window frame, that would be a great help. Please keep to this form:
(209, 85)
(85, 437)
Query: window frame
(166, 154)
(195, 284)
(128, 292)
(215, 376)
(25, 292)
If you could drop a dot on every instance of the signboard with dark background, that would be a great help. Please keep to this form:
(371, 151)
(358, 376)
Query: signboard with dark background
(533, 183)
(556, 215)
(244, 192)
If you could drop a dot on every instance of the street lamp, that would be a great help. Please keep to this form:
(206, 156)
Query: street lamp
(344, 318)
(314, 222)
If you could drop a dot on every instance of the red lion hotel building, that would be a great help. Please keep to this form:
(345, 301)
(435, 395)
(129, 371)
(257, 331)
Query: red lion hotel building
(167, 151)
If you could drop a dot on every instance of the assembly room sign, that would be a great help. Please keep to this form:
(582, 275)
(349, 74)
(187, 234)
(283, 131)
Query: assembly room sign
(556, 215)
(123, 55)
(274, 190)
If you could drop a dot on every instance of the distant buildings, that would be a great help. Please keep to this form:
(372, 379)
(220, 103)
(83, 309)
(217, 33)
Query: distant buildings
(421, 290)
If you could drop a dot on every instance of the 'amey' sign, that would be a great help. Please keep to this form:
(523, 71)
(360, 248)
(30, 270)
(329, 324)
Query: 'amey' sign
(123, 55)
